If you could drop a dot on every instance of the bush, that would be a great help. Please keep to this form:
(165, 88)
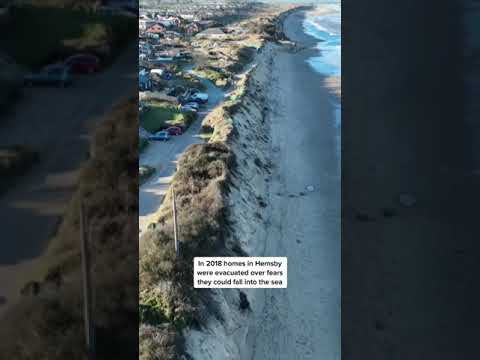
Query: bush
(158, 343)
(216, 75)
(145, 172)
(166, 283)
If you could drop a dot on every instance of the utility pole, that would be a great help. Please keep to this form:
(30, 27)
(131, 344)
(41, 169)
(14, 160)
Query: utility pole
(87, 289)
(175, 225)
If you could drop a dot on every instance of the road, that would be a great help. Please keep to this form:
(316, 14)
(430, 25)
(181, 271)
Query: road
(163, 156)
(302, 321)
(56, 122)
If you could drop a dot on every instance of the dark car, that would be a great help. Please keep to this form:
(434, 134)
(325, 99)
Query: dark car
(56, 75)
(83, 63)
(160, 136)
(174, 130)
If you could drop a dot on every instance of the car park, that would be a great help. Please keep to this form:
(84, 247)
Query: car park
(83, 63)
(51, 75)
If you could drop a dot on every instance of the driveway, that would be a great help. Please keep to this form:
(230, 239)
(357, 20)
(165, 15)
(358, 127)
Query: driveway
(163, 157)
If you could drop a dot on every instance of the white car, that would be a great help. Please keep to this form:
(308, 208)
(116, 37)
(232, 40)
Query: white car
(199, 97)
(193, 105)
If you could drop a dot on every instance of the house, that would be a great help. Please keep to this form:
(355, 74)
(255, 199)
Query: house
(192, 29)
(143, 24)
(169, 21)
(155, 29)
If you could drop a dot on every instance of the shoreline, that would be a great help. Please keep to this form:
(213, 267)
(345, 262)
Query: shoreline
(272, 106)
(302, 225)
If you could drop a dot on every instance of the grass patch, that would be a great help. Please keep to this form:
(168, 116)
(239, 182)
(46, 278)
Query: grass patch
(215, 75)
(39, 35)
(160, 115)
(189, 81)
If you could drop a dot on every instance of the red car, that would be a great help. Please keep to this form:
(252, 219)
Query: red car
(83, 63)
(174, 131)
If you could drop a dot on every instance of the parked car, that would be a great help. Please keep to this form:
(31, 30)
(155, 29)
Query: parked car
(57, 74)
(83, 63)
(192, 106)
(167, 76)
(201, 98)
(183, 56)
(193, 95)
(174, 131)
(160, 136)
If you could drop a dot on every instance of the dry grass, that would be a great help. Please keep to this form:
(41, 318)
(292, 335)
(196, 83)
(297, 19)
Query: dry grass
(166, 284)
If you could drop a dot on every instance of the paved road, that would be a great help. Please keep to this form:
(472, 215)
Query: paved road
(56, 122)
(163, 157)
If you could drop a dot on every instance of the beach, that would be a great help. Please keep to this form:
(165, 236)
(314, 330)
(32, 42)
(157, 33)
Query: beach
(302, 321)
(285, 203)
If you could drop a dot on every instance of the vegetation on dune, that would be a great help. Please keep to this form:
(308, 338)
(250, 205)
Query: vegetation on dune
(50, 324)
(167, 298)
(216, 75)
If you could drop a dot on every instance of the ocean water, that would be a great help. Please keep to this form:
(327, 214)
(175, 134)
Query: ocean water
(327, 29)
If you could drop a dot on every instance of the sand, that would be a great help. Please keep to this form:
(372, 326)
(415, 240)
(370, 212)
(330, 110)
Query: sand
(302, 321)
(288, 124)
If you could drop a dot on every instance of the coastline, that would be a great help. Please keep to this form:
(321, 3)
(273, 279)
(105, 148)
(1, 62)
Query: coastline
(271, 214)
(302, 321)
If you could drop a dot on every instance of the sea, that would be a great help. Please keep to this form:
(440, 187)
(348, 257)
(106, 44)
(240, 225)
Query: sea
(327, 29)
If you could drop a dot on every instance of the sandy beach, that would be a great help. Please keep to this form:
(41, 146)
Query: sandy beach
(302, 321)
(287, 124)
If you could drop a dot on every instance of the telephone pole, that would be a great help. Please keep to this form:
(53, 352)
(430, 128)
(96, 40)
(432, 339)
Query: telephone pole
(87, 287)
(175, 225)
